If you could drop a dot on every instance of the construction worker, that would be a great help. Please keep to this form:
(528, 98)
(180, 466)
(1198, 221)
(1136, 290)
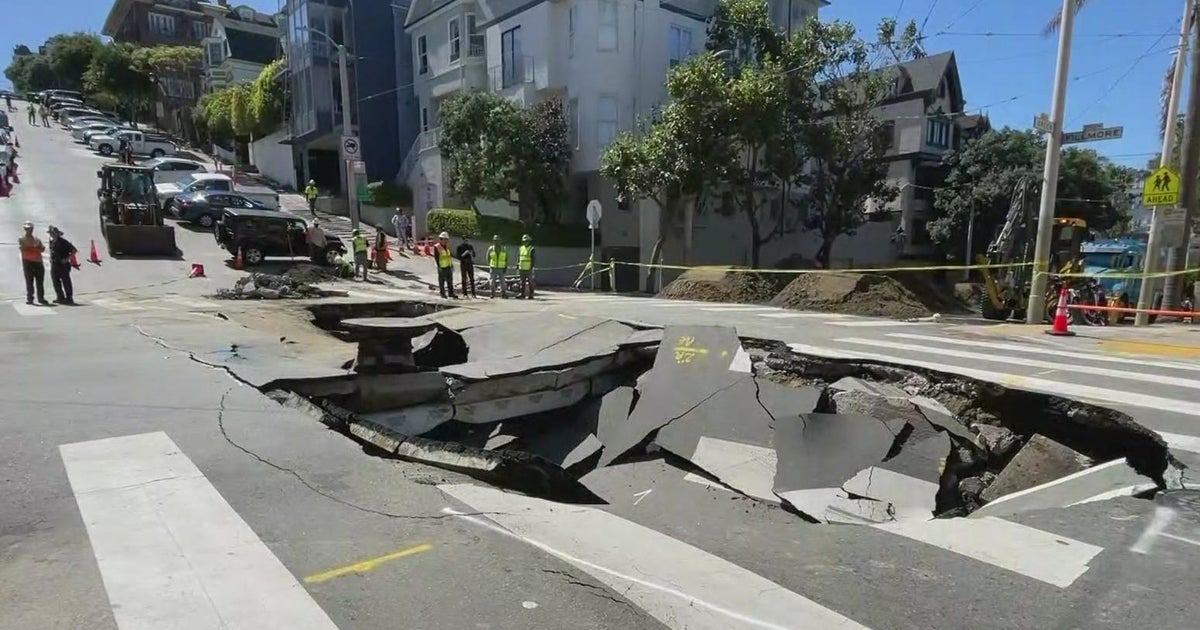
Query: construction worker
(62, 260)
(31, 263)
(310, 194)
(525, 266)
(360, 253)
(445, 265)
(497, 256)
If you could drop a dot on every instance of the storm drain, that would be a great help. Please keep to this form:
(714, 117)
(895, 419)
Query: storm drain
(833, 441)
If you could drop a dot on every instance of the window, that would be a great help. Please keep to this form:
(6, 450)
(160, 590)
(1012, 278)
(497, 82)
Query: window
(606, 121)
(216, 53)
(679, 45)
(475, 47)
(179, 88)
(606, 31)
(199, 30)
(937, 131)
(424, 119)
(510, 57)
(571, 12)
(455, 40)
(422, 55)
(887, 134)
(161, 24)
(573, 123)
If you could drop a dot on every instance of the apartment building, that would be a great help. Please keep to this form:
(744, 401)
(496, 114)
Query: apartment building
(383, 112)
(165, 22)
(241, 43)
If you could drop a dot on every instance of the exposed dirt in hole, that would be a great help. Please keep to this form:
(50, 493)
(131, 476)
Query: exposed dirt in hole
(720, 285)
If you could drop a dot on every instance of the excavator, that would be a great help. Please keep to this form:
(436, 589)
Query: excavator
(1006, 289)
(130, 218)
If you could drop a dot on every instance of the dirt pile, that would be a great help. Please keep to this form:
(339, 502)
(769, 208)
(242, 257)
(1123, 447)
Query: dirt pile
(723, 285)
(265, 286)
(868, 295)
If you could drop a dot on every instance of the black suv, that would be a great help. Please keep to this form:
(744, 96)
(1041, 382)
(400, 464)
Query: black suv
(262, 233)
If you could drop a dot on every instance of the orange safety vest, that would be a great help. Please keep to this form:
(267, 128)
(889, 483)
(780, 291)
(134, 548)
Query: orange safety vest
(31, 249)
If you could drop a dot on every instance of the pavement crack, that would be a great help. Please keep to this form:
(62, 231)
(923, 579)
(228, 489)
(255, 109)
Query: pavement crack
(595, 589)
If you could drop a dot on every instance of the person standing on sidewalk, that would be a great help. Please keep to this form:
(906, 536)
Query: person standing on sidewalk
(381, 250)
(466, 267)
(525, 267)
(360, 253)
(497, 256)
(310, 195)
(31, 263)
(400, 223)
(62, 255)
(32, 109)
(315, 236)
(445, 265)
(45, 114)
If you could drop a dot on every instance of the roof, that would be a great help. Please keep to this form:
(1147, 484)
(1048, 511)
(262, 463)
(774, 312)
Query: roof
(926, 72)
(420, 9)
(252, 47)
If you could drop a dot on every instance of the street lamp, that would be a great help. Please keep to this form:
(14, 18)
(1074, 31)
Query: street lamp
(351, 191)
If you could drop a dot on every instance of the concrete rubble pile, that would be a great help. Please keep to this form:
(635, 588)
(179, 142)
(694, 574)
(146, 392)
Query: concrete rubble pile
(265, 286)
(831, 441)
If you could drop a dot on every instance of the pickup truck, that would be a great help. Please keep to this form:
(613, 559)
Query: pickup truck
(141, 143)
(212, 182)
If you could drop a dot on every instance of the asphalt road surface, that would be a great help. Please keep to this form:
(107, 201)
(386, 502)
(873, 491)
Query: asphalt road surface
(141, 488)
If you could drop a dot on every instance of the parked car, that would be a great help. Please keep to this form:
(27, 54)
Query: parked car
(207, 207)
(170, 169)
(217, 182)
(85, 121)
(262, 233)
(66, 113)
(77, 132)
(46, 95)
(107, 131)
(141, 143)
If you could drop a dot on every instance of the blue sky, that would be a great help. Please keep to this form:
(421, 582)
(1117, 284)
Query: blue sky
(1117, 61)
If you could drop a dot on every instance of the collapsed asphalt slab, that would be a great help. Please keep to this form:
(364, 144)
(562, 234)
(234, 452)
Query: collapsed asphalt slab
(832, 441)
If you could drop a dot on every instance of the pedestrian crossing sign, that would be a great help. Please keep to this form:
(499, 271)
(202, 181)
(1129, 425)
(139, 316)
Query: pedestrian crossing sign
(1161, 188)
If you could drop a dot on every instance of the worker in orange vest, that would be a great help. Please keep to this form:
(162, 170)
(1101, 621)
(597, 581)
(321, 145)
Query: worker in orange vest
(31, 263)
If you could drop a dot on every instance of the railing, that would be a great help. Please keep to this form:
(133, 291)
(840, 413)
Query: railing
(475, 46)
(425, 141)
(514, 71)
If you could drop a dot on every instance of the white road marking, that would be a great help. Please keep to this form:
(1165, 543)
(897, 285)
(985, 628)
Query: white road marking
(738, 308)
(798, 315)
(1181, 442)
(877, 323)
(1089, 393)
(1064, 354)
(115, 305)
(29, 310)
(748, 468)
(1128, 375)
(1040, 555)
(171, 550)
(678, 584)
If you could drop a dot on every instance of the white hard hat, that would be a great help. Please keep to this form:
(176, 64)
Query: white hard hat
(444, 235)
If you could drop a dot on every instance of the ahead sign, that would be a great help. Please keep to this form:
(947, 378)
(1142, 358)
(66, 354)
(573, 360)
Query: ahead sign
(1161, 188)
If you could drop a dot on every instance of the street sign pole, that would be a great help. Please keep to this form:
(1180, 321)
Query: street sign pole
(594, 211)
(347, 129)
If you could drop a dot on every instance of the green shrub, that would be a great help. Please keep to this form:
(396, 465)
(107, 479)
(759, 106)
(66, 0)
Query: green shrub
(388, 195)
(467, 224)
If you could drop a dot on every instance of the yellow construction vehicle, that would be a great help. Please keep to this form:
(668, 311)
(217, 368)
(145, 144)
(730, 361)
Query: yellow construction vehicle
(1006, 288)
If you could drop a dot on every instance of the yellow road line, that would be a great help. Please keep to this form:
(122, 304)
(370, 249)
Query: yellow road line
(1148, 347)
(365, 565)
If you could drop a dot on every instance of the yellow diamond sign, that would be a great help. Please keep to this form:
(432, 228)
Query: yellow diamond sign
(1161, 188)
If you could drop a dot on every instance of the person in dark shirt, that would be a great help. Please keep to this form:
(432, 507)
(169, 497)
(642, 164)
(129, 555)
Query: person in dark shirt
(61, 263)
(466, 264)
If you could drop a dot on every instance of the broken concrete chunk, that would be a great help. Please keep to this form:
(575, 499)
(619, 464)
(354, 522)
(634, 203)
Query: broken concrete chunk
(1040, 461)
(998, 442)
(1100, 482)
(844, 510)
(487, 411)
(412, 421)
(887, 409)
(782, 400)
(852, 384)
(922, 459)
(820, 450)
(372, 433)
(940, 417)
(894, 488)
(614, 412)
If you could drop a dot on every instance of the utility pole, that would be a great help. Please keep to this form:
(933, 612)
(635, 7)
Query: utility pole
(347, 130)
(1036, 310)
(1188, 186)
(1149, 284)
(970, 243)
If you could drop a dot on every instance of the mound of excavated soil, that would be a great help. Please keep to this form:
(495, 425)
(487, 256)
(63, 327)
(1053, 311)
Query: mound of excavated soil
(720, 285)
(868, 295)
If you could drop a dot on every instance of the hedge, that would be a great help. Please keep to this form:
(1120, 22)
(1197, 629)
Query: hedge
(468, 224)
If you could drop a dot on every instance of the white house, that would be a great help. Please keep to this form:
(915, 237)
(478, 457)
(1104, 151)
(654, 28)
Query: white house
(241, 43)
(607, 60)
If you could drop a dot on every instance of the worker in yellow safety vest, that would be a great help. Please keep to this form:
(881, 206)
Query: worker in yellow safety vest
(525, 266)
(360, 253)
(445, 265)
(497, 257)
(310, 195)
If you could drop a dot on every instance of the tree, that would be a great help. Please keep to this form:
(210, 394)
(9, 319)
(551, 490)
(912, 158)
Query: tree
(217, 110)
(113, 71)
(240, 119)
(159, 62)
(30, 73)
(480, 143)
(543, 160)
(846, 173)
(70, 55)
(267, 99)
(21, 50)
(984, 173)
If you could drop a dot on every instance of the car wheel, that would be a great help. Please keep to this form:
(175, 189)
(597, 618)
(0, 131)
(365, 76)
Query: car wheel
(105, 149)
(331, 256)
(157, 153)
(205, 220)
(252, 255)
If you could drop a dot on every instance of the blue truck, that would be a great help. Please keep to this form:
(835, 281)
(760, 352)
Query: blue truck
(1118, 256)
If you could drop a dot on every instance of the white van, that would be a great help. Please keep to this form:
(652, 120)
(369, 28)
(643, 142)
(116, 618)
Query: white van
(196, 182)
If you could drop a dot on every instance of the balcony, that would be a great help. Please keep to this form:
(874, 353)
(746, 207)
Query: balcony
(426, 141)
(464, 74)
(513, 72)
(475, 47)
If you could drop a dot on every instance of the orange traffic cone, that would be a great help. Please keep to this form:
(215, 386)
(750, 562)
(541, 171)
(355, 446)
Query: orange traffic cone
(1060, 317)
(237, 260)
(197, 271)
(94, 255)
